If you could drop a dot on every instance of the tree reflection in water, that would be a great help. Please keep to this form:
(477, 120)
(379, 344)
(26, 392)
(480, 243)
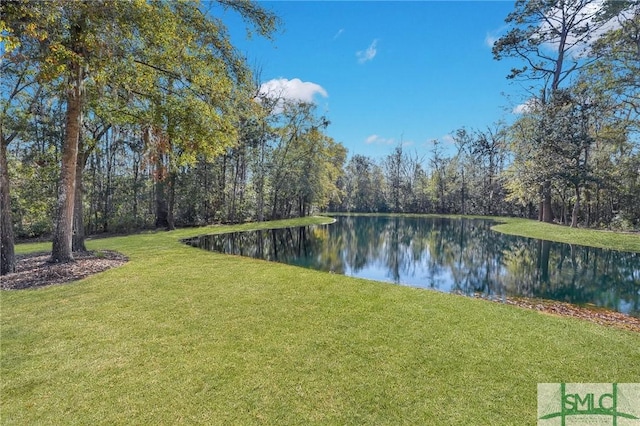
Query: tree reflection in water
(452, 255)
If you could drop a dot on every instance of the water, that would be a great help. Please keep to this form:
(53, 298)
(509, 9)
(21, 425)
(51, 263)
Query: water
(452, 255)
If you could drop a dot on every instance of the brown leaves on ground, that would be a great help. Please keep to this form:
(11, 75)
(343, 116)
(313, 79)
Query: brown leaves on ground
(594, 314)
(34, 270)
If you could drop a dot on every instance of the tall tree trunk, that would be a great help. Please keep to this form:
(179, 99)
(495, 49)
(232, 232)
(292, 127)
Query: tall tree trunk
(171, 201)
(576, 209)
(541, 203)
(261, 178)
(206, 205)
(162, 203)
(7, 252)
(63, 233)
(234, 190)
(274, 207)
(160, 190)
(222, 190)
(530, 210)
(135, 190)
(587, 196)
(547, 212)
(78, 209)
(463, 212)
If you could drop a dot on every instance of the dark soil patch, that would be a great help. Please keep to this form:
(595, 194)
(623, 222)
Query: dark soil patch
(34, 269)
(597, 315)
(594, 314)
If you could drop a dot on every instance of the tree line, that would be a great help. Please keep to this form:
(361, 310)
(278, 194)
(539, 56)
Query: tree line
(121, 116)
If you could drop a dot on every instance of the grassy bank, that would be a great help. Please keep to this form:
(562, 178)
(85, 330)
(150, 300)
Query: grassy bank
(553, 232)
(564, 234)
(180, 335)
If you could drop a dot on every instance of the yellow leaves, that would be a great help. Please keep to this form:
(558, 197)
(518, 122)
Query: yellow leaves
(164, 63)
(32, 31)
(10, 43)
(56, 62)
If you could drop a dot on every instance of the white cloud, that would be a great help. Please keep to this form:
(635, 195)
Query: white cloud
(492, 36)
(338, 34)
(587, 16)
(521, 109)
(578, 46)
(292, 90)
(448, 139)
(528, 106)
(490, 39)
(368, 54)
(379, 140)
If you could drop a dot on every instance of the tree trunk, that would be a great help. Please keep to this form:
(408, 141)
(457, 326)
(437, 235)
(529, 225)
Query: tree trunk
(587, 196)
(260, 183)
(63, 233)
(234, 191)
(7, 252)
(222, 191)
(576, 209)
(165, 194)
(463, 210)
(541, 203)
(206, 205)
(274, 207)
(78, 209)
(162, 204)
(171, 201)
(547, 212)
(136, 173)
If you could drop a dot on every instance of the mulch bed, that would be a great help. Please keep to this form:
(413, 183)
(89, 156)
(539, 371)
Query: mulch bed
(594, 314)
(34, 270)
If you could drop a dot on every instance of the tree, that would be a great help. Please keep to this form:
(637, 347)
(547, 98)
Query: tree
(68, 51)
(551, 38)
(302, 160)
(439, 164)
(360, 186)
(571, 125)
(617, 70)
(7, 253)
(463, 140)
(393, 166)
(488, 149)
(522, 176)
(20, 92)
(20, 84)
(81, 40)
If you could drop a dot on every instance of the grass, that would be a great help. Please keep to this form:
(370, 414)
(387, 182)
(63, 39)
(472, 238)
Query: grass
(620, 241)
(564, 234)
(183, 336)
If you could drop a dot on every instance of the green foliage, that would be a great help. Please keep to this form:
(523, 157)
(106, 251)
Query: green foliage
(34, 193)
(163, 69)
(618, 70)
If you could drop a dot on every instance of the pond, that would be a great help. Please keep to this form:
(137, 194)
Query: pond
(453, 255)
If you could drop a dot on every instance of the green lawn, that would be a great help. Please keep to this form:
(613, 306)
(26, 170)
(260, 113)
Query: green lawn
(564, 234)
(621, 241)
(183, 336)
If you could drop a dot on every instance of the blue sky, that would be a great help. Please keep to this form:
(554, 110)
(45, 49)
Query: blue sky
(385, 72)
